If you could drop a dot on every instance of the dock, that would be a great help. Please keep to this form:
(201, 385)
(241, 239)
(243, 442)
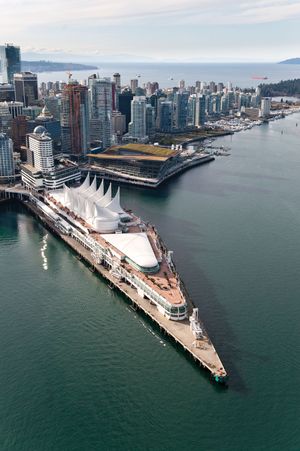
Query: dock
(199, 347)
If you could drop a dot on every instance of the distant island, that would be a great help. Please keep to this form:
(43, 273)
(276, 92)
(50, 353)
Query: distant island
(283, 88)
(290, 61)
(49, 66)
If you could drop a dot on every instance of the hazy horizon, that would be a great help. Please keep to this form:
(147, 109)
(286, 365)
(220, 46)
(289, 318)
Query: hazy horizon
(168, 30)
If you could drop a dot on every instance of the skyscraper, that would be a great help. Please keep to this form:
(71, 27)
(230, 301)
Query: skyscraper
(125, 105)
(150, 120)
(137, 126)
(40, 171)
(7, 92)
(117, 80)
(26, 87)
(100, 92)
(52, 126)
(265, 106)
(181, 109)
(133, 85)
(200, 110)
(40, 144)
(5, 119)
(10, 62)
(164, 118)
(7, 168)
(75, 119)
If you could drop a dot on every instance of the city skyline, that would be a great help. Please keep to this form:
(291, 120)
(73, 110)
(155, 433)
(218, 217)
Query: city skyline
(202, 30)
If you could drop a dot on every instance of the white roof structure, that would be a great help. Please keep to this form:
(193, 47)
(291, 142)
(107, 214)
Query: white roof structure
(100, 211)
(136, 247)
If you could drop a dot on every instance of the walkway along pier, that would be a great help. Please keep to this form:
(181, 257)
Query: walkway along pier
(189, 333)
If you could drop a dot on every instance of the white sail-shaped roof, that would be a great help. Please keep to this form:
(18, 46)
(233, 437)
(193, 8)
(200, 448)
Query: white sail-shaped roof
(114, 205)
(105, 220)
(106, 199)
(84, 185)
(90, 189)
(100, 211)
(136, 246)
(97, 194)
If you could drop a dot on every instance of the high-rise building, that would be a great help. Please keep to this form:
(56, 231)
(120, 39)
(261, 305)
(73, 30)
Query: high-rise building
(200, 111)
(229, 86)
(52, 126)
(150, 120)
(40, 171)
(10, 62)
(137, 126)
(19, 131)
(118, 123)
(7, 92)
(202, 86)
(117, 81)
(7, 167)
(5, 119)
(265, 106)
(133, 85)
(164, 120)
(116, 90)
(224, 104)
(125, 99)
(220, 87)
(15, 108)
(53, 104)
(181, 109)
(40, 144)
(75, 119)
(26, 87)
(212, 87)
(100, 91)
(191, 116)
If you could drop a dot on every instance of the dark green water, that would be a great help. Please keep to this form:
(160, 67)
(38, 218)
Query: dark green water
(80, 371)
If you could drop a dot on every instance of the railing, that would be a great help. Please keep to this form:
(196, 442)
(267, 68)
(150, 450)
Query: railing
(101, 253)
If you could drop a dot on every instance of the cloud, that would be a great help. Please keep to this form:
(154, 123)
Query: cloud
(78, 13)
(96, 28)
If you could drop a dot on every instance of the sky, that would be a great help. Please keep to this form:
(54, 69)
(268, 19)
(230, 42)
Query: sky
(156, 30)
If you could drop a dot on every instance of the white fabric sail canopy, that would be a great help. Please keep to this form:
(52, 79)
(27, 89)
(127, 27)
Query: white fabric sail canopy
(136, 246)
(98, 209)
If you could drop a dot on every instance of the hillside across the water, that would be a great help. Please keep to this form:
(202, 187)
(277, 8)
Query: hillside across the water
(283, 88)
(291, 61)
(50, 66)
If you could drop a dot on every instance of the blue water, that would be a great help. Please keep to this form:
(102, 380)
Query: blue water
(240, 74)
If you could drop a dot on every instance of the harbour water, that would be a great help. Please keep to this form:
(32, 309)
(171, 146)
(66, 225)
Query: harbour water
(81, 371)
(169, 74)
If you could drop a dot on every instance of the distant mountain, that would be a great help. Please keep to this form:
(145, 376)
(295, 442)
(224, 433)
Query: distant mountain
(94, 58)
(291, 61)
(50, 66)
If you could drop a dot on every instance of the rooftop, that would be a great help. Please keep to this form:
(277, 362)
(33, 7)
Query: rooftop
(137, 151)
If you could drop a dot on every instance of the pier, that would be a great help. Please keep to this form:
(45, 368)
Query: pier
(194, 341)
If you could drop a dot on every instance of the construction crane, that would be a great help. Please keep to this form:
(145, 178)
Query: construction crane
(69, 74)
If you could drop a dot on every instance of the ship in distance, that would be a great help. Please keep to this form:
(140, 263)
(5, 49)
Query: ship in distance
(259, 77)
